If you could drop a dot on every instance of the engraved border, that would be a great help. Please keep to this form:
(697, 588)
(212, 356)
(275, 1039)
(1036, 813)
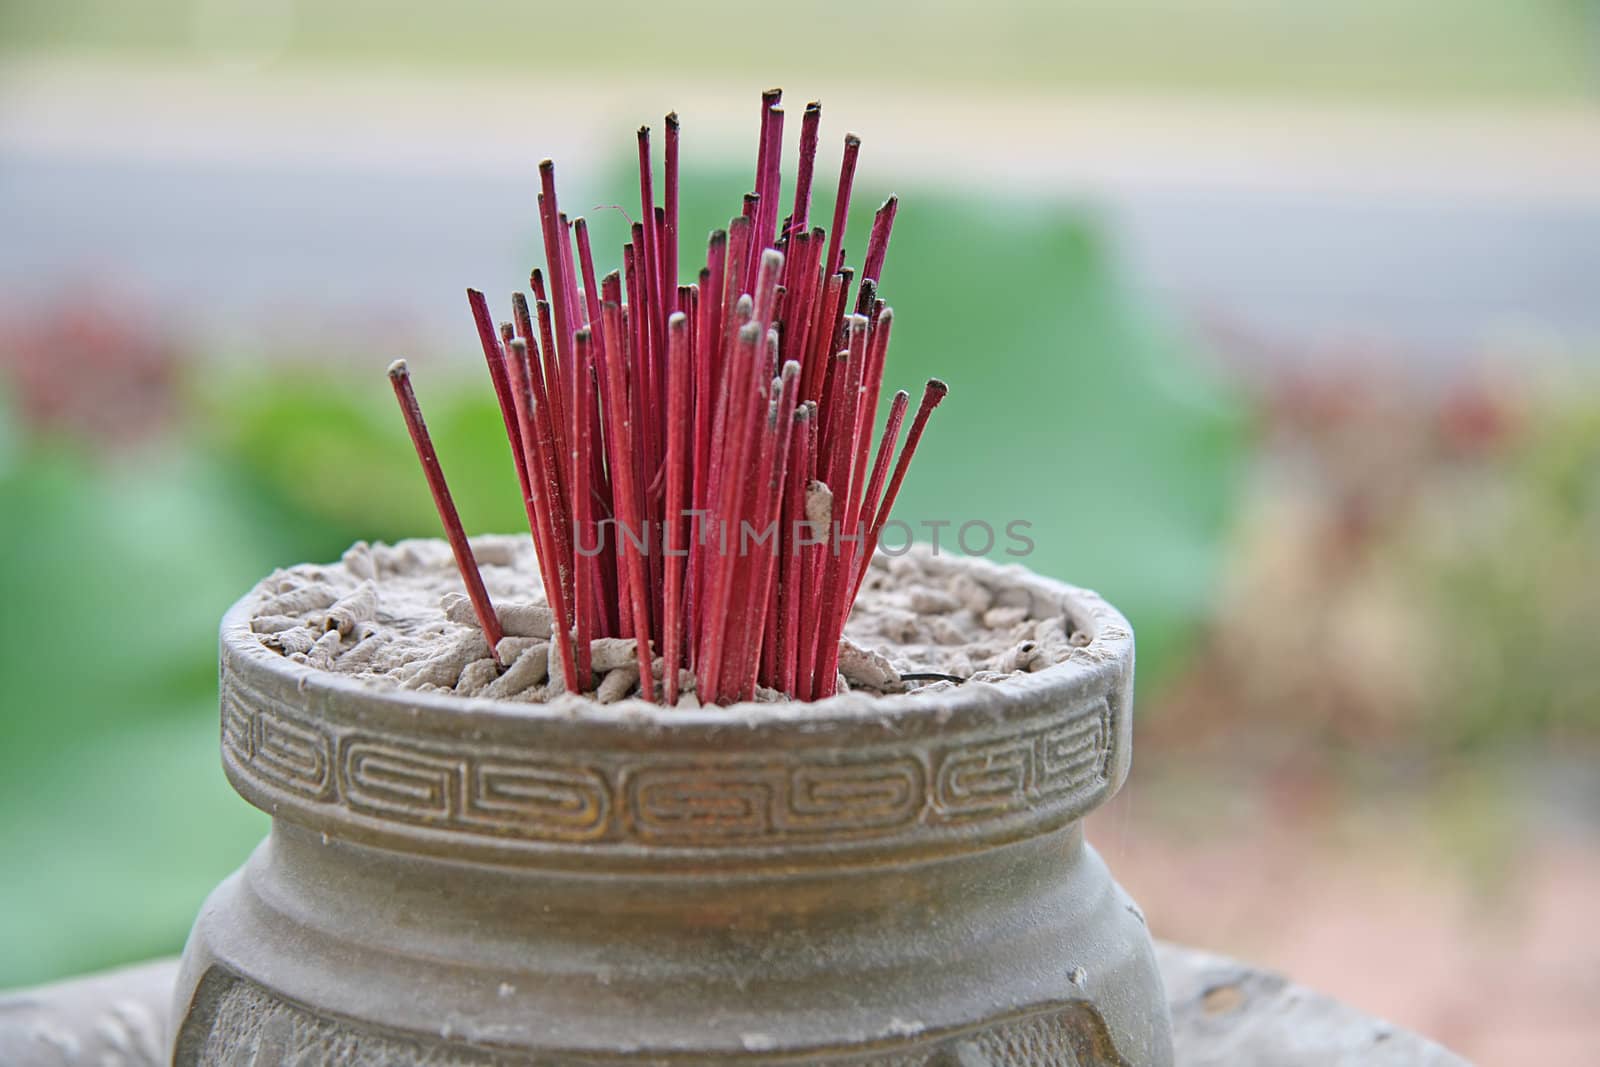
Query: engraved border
(702, 801)
(978, 766)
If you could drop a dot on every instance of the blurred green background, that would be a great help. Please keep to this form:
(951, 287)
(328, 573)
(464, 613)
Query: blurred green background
(1364, 569)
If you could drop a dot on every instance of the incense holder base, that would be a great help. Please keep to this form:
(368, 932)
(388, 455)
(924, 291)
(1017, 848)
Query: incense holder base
(886, 881)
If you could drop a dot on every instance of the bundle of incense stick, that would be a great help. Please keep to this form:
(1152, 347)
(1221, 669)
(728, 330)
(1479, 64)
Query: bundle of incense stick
(693, 458)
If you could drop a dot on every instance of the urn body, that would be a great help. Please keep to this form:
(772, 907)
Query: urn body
(889, 881)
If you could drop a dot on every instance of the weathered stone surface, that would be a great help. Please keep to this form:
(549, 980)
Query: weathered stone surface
(1229, 1014)
(120, 1018)
(1224, 1014)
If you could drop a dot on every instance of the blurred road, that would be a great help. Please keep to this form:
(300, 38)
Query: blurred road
(297, 205)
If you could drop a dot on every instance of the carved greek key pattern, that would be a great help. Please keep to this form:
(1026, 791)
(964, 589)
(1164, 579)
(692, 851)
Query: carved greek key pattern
(385, 778)
(1014, 772)
(564, 803)
(709, 800)
(288, 754)
(238, 729)
(773, 800)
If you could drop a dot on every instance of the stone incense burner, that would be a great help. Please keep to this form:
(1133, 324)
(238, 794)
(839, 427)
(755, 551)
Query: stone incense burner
(782, 849)
(883, 880)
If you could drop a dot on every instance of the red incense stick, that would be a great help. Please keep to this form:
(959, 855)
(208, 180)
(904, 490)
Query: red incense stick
(466, 563)
(672, 441)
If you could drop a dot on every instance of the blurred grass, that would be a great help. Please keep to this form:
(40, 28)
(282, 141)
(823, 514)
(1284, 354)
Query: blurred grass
(1541, 49)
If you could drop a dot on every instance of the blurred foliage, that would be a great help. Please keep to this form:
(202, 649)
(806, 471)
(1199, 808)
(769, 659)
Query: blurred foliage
(336, 461)
(1512, 557)
(118, 820)
(1418, 575)
(1439, 48)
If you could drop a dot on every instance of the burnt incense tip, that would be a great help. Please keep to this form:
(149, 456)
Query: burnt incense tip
(852, 141)
(644, 133)
(672, 120)
(771, 96)
(399, 370)
(584, 334)
(892, 202)
(677, 321)
(547, 165)
(814, 107)
(936, 390)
